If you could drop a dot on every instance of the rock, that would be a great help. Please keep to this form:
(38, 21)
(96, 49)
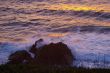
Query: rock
(51, 54)
(19, 57)
(39, 43)
(55, 54)
(35, 47)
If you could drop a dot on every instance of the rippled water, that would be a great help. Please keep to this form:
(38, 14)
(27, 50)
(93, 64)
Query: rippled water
(84, 25)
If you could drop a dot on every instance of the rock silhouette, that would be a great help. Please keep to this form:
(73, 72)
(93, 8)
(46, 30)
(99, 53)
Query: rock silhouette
(51, 54)
(55, 54)
(20, 57)
(35, 48)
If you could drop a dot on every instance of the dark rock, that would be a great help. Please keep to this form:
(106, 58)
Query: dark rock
(51, 54)
(34, 48)
(55, 54)
(20, 57)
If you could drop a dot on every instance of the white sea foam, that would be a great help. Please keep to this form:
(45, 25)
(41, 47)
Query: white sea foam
(90, 49)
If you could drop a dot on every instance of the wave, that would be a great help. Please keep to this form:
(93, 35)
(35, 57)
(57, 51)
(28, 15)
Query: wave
(104, 15)
(97, 29)
(62, 1)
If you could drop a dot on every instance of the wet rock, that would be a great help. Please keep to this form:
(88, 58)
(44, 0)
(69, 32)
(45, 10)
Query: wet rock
(51, 54)
(20, 57)
(35, 47)
(55, 54)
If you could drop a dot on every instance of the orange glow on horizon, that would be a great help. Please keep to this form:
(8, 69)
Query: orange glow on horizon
(57, 34)
(78, 7)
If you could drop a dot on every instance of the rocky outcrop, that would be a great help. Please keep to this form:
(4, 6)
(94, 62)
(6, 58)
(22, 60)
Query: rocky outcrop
(51, 54)
(55, 54)
(20, 57)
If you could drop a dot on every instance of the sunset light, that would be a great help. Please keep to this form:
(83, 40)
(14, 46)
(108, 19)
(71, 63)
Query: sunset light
(54, 36)
(77, 7)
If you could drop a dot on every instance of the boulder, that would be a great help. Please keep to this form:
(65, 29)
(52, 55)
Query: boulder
(51, 54)
(35, 47)
(55, 54)
(19, 57)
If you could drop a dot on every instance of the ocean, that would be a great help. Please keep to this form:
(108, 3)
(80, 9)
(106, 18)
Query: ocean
(84, 25)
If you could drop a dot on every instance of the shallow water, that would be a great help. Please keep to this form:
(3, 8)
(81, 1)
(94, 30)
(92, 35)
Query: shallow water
(83, 25)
